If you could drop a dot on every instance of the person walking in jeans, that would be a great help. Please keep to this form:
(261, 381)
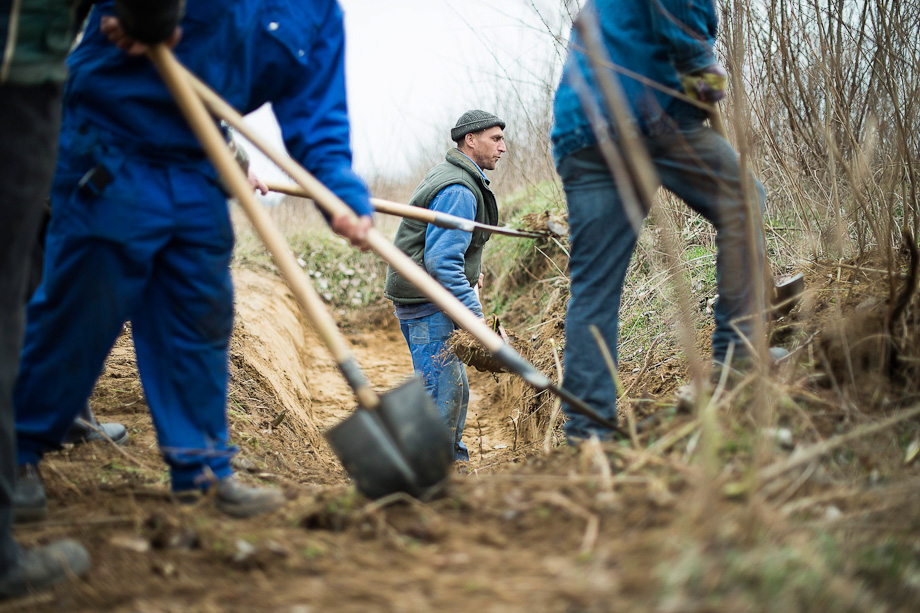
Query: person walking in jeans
(666, 43)
(456, 186)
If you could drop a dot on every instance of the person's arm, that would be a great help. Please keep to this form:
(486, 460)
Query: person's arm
(313, 115)
(445, 250)
(688, 28)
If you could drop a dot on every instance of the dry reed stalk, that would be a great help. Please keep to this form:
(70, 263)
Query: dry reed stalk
(592, 452)
(572, 479)
(557, 403)
(612, 368)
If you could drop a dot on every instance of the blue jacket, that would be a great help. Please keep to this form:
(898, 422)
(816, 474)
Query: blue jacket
(251, 52)
(659, 40)
(445, 249)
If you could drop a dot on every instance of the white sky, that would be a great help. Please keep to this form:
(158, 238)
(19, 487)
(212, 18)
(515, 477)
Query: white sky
(414, 66)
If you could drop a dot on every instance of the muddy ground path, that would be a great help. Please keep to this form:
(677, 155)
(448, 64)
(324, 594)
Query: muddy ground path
(328, 548)
(528, 525)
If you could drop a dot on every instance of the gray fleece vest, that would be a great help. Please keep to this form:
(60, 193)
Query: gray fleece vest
(456, 169)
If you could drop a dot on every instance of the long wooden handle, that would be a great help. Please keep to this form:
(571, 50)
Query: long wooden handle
(204, 128)
(334, 206)
(380, 206)
(442, 220)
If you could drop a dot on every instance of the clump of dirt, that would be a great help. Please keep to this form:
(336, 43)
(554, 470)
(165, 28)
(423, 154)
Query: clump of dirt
(545, 221)
(472, 353)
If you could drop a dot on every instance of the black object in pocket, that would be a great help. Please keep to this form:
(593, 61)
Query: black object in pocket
(94, 182)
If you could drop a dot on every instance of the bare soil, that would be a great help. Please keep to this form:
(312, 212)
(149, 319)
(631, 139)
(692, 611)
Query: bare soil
(676, 521)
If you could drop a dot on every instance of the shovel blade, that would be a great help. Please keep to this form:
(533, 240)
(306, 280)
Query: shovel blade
(363, 445)
(420, 433)
(788, 293)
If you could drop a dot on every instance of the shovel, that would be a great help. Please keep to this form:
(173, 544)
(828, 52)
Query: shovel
(441, 220)
(400, 262)
(395, 442)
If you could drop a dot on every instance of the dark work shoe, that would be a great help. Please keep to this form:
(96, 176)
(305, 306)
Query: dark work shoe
(30, 503)
(238, 500)
(42, 567)
(80, 432)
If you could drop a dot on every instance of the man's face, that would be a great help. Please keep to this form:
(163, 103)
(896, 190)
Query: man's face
(486, 147)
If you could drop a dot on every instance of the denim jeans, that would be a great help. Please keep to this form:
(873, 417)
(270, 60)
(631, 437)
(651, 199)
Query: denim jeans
(702, 169)
(442, 372)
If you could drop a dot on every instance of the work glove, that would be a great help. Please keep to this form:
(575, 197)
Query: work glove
(706, 85)
(149, 21)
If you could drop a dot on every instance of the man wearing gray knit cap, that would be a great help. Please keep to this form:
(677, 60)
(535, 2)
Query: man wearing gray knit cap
(456, 186)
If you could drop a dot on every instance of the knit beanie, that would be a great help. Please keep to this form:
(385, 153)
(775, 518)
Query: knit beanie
(474, 121)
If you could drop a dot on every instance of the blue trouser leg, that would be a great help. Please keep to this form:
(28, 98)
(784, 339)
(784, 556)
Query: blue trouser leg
(602, 243)
(73, 320)
(28, 133)
(154, 247)
(187, 314)
(443, 374)
(701, 168)
(99, 254)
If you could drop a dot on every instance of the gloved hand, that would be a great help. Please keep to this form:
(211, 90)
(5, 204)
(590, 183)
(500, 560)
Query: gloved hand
(149, 21)
(706, 85)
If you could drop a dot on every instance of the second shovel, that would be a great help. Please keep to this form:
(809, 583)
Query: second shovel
(395, 442)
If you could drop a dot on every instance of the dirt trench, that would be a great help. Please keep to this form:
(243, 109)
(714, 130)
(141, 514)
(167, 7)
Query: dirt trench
(282, 356)
(151, 554)
(614, 527)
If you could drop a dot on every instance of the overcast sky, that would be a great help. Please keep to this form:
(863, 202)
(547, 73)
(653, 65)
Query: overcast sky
(414, 66)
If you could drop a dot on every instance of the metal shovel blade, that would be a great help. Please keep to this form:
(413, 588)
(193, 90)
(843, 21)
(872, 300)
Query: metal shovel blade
(788, 292)
(420, 432)
(401, 446)
(370, 456)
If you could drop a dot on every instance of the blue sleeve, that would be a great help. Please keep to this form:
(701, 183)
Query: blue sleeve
(313, 113)
(445, 249)
(688, 28)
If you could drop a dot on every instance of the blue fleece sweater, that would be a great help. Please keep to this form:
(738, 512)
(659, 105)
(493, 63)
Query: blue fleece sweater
(656, 39)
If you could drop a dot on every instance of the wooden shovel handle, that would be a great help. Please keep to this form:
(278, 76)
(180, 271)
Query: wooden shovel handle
(201, 123)
(400, 262)
(380, 206)
(334, 206)
(442, 220)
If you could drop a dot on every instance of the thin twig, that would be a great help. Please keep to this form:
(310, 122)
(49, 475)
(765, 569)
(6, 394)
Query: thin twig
(557, 403)
(873, 270)
(648, 359)
(612, 367)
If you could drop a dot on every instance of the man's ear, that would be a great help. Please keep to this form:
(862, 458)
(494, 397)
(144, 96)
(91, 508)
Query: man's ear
(469, 139)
